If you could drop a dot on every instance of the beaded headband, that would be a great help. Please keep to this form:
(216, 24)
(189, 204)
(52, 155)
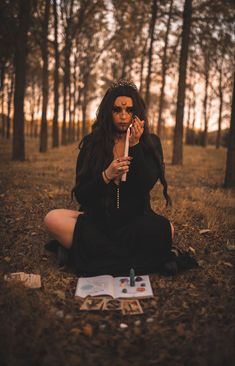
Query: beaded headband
(123, 82)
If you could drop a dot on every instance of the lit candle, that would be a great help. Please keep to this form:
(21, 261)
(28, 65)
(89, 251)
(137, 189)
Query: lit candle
(126, 151)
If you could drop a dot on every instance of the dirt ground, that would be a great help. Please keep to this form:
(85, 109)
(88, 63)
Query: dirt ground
(190, 320)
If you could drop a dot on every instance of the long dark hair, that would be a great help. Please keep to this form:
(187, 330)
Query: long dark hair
(99, 144)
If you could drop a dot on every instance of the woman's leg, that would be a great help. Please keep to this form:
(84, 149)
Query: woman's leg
(60, 223)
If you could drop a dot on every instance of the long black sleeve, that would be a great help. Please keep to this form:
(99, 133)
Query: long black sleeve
(145, 170)
(88, 188)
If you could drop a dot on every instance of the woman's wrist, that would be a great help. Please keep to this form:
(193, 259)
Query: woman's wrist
(106, 177)
(134, 143)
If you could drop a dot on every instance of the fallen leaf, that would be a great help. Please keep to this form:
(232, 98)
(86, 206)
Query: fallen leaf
(68, 317)
(161, 283)
(192, 250)
(60, 313)
(137, 331)
(59, 294)
(7, 259)
(185, 305)
(180, 329)
(88, 330)
(75, 331)
(204, 231)
(230, 246)
(203, 311)
(201, 263)
(227, 264)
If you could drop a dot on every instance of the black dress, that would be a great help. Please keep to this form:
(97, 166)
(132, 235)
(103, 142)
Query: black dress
(118, 229)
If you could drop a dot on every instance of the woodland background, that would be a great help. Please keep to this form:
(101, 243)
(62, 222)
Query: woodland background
(57, 59)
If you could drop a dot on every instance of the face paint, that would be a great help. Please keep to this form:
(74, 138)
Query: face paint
(117, 109)
(122, 113)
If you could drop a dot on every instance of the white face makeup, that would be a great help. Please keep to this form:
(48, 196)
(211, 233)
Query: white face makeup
(122, 113)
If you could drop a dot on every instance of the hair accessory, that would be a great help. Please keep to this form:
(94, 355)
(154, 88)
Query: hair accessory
(123, 82)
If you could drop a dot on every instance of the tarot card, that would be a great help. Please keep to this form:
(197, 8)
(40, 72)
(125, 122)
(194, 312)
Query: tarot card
(28, 279)
(131, 307)
(93, 303)
(112, 304)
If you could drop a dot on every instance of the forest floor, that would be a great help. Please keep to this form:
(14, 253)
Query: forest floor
(190, 320)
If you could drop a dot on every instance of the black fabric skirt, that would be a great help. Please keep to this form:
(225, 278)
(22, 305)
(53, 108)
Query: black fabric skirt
(115, 245)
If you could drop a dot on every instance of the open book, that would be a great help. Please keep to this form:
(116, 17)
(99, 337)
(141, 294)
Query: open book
(116, 287)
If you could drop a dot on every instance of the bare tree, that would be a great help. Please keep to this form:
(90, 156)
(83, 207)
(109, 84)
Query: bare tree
(18, 152)
(67, 14)
(229, 180)
(221, 99)
(150, 52)
(206, 73)
(55, 129)
(9, 104)
(178, 132)
(164, 70)
(44, 46)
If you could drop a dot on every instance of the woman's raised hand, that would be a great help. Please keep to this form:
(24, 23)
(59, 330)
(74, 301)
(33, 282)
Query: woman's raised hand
(136, 131)
(117, 168)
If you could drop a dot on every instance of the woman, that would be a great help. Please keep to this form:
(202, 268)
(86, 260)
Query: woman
(115, 228)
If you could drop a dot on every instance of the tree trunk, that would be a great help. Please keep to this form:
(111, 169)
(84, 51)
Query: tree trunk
(164, 69)
(55, 129)
(32, 111)
(84, 107)
(66, 78)
(38, 114)
(124, 65)
(194, 117)
(178, 132)
(2, 79)
(9, 104)
(229, 180)
(77, 97)
(205, 110)
(218, 137)
(3, 111)
(142, 67)
(44, 132)
(74, 96)
(78, 105)
(84, 126)
(150, 52)
(70, 112)
(18, 151)
(188, 125)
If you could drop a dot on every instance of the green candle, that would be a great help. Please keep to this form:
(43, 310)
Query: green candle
(132, 277)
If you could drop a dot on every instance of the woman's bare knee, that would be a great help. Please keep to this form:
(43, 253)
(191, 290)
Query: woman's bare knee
(56, 216)
(60, 223)
(51, 219)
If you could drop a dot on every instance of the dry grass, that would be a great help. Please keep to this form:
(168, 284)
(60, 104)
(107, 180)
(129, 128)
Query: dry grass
(193, 313)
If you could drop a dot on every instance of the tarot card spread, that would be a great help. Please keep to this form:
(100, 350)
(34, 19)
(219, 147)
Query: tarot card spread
(93, 303)
(127, 307)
